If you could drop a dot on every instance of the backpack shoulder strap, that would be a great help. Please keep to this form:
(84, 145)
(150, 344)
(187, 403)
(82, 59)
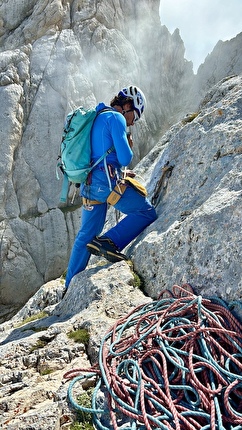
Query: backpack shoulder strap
(111, 149)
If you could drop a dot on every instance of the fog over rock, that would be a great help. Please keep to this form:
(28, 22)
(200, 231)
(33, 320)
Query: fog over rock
(224, 60)
(54, 56)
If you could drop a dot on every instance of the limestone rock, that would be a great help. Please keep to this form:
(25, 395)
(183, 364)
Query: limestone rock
(197, 236)
(36, 353)
(224, 60)
(55, 56)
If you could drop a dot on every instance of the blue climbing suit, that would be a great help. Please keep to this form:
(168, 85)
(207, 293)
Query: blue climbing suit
(109, 129)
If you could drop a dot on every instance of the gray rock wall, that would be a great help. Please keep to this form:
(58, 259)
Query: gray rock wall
(196, 239)
(36, 354)
(197, 236)
(54, 56)
(224, 60)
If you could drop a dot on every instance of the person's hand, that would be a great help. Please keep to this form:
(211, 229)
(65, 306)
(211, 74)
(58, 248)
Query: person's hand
(130, 140)
(130, 173)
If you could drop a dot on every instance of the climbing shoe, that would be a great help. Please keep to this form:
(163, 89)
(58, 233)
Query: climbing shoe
(104, 247)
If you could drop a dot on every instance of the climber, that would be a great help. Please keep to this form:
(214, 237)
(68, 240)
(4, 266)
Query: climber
(102, 184)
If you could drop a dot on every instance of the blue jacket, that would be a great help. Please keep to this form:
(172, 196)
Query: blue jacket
(109, 129)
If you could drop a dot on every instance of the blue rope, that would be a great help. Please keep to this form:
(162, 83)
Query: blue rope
(145, 366)
(73, 401)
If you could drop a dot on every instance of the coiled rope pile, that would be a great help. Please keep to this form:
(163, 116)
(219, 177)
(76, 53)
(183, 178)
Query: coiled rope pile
(174, 363)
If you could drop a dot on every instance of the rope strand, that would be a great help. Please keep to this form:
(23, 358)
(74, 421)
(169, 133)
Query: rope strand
(175, 363)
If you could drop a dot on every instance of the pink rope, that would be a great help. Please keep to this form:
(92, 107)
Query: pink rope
(165, 364)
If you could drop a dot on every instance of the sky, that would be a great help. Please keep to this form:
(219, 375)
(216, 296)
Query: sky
(202, 23)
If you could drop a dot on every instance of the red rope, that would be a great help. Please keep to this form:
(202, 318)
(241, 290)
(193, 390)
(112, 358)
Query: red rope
(175, 363)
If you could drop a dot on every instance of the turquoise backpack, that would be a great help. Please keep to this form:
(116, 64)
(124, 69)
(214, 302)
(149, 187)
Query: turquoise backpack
(74, 160)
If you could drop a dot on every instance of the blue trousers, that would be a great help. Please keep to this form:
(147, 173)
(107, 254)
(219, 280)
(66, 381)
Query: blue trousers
(139, 214)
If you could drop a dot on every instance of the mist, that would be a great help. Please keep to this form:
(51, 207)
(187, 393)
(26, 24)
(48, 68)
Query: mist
(202, 26)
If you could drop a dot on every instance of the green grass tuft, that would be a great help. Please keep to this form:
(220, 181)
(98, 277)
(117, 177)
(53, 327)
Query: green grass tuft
(84, 419)
(39, 344)
(81, 335)
(34, 317)
(190, 118)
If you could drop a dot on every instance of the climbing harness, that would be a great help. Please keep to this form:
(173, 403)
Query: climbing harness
(174, 363)
(166, 172)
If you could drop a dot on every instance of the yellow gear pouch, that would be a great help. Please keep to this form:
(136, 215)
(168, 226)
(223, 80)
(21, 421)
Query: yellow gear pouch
(136, 185)
(120, 188)
(116, 194)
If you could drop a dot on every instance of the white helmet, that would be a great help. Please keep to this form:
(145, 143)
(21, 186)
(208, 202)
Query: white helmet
(138, 98)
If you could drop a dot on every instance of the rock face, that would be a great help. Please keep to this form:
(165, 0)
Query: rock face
(197, 236)
(224, 60)
(56, 55)
(35, 355)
